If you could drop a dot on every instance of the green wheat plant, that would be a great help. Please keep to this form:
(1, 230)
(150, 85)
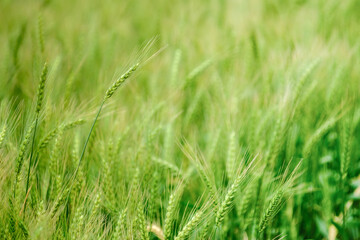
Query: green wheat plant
(186, 120)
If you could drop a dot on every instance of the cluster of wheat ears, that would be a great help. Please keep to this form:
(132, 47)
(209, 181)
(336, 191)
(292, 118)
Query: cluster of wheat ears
(255, 147)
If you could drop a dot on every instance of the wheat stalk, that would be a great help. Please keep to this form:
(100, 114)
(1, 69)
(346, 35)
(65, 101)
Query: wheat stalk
(40, 98)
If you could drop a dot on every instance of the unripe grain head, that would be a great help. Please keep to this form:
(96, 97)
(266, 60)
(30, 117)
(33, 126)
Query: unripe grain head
(41, 88)
(120, 81)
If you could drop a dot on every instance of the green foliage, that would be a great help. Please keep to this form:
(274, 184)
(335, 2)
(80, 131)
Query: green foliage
(241, 120)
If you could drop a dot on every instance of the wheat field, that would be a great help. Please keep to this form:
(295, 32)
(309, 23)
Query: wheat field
(205, 119)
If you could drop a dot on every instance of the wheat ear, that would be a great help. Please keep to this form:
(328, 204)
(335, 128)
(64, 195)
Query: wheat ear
(3, 134)
(190, 226)
(171, 211)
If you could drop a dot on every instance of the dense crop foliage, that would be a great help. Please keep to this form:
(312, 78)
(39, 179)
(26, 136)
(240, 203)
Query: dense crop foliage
(179, 119)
